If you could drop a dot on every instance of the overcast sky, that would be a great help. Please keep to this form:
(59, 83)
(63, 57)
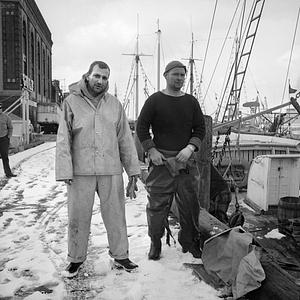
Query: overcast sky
(88, 30)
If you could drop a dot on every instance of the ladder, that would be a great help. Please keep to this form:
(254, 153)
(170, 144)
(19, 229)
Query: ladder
(238, 69)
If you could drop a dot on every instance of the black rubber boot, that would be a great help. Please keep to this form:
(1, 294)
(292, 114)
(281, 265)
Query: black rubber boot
(155, 249)
(195, 250)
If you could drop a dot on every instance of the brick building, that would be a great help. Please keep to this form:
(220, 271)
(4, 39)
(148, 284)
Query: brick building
(25, 53)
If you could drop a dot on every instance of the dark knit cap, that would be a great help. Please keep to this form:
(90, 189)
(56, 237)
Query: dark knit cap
(174, 64)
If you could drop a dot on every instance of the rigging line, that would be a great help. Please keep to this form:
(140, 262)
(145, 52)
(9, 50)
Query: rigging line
(213, 113)
(239, 59)
(128, 83)
(187, 82)
(209, 37)
(227, 73)
(241, 34)
(252, 77)
(187, 86)
(222, 48)
(290, 59)
(238, 40)
(130, 92)
(144, 73)
(234, 51)
(248, 19)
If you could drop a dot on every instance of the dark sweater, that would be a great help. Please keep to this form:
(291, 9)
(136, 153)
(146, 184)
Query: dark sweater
(175, 122)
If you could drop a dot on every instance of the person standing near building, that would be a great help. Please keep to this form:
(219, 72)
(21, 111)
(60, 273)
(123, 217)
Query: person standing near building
(6, 130)
(178, 127)
(94, 143)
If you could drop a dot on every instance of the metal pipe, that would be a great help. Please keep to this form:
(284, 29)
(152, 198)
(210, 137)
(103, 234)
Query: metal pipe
(234, 122)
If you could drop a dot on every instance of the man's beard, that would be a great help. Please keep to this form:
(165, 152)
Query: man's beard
(99, 89)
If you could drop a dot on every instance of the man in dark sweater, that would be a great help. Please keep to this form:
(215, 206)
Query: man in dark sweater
(178, 126)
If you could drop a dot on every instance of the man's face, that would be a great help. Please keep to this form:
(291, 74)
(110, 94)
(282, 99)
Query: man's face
(175, 79)
(98, 80)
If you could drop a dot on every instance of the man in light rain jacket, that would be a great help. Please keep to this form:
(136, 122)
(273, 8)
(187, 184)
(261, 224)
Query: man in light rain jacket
(94, 143)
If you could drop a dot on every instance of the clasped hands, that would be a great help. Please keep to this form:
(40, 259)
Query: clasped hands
(159, 159)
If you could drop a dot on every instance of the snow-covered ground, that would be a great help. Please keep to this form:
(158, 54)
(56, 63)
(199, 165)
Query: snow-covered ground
(33, 245)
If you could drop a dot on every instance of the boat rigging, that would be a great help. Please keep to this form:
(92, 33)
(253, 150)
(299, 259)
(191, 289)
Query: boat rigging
(133, 81)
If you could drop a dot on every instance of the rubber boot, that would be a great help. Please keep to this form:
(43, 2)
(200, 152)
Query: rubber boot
(155, 249)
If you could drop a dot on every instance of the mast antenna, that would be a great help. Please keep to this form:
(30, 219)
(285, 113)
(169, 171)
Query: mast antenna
(192, 69)
(137, 56)
(158, 55)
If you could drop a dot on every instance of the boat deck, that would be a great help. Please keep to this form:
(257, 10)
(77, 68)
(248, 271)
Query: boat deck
(283, 249)
(280, 257)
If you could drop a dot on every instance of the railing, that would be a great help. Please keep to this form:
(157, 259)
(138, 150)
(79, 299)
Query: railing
(14, 105)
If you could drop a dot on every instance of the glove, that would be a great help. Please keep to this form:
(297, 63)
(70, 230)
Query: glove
(132, 187)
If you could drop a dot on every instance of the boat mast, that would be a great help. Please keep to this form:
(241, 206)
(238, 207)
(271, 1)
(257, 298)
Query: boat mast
(137, 56)
(191, 62)
(137, 60)
(192, 72)
(158, 55)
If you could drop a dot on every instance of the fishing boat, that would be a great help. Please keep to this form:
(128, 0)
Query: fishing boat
(240, 149)
(236, 145)
(238, 139)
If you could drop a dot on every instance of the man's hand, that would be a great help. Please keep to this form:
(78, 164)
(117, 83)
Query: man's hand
(68, 181)
(185, 153)
(156, 157)
(132, 187)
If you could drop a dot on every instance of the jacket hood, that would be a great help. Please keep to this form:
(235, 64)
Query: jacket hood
(80, 88)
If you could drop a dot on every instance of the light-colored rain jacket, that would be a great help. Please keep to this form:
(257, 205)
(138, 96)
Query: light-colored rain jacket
(94, 141)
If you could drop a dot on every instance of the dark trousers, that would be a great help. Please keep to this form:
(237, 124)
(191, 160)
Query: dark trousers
(162, 189)
(4, 145)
